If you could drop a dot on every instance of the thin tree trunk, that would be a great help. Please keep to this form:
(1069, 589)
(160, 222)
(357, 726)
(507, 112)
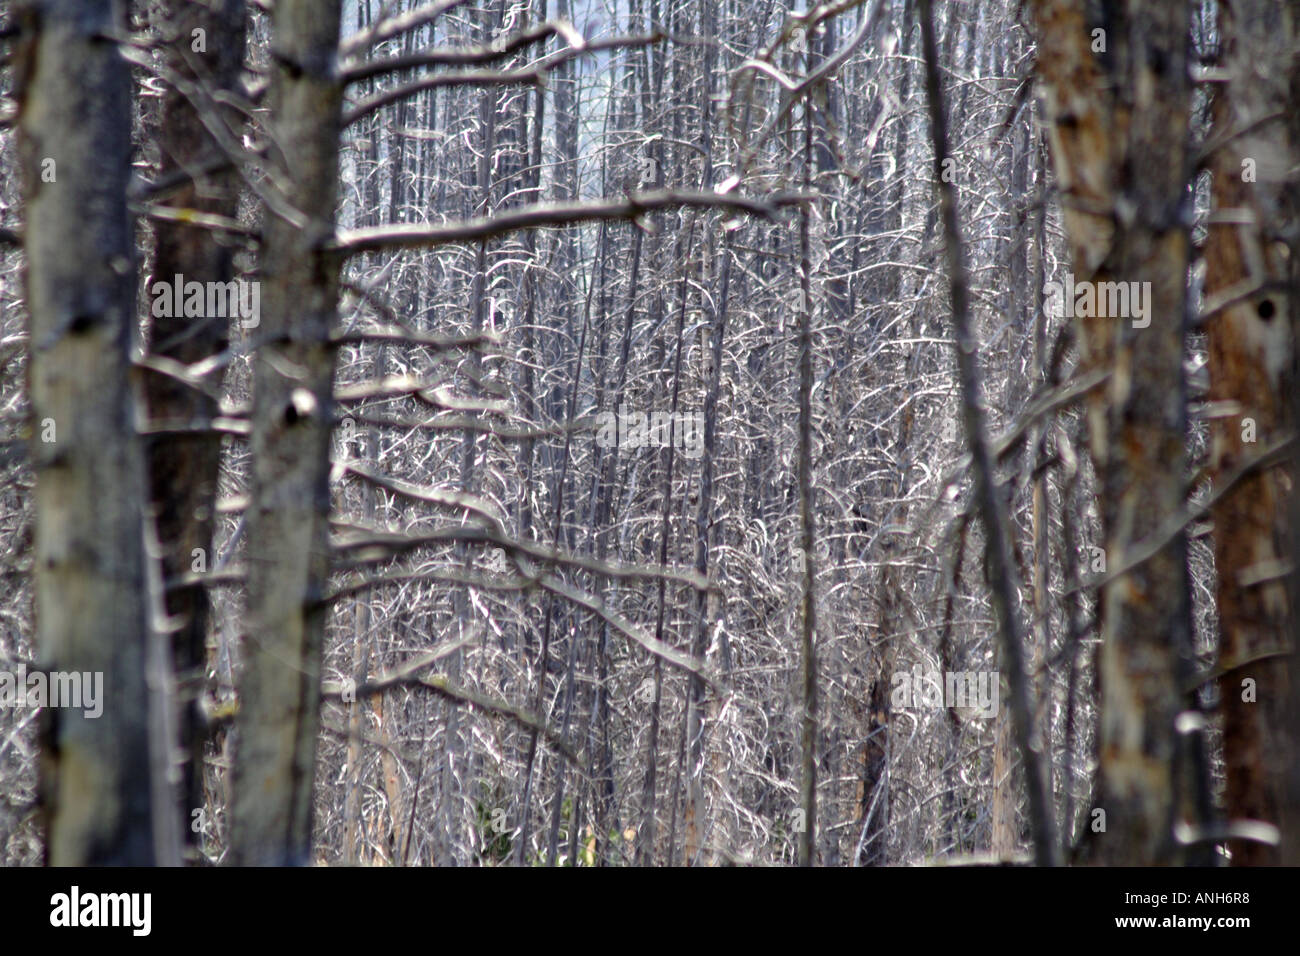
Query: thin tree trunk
(808, 531)
(989, 501)
(288, 519)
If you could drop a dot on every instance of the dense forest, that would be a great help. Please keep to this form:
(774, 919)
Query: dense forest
(648, 432)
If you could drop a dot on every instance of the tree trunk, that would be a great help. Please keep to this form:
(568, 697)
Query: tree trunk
(1121, 166)
(74, 127)
(1249, 354)
(809, 725)
(992, 509)
(288, 521)
(183, 467)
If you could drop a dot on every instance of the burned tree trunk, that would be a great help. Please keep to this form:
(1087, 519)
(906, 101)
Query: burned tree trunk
(288, 520)
(1250, 351)
(1117, 106)
(207, 52)
(74, 127)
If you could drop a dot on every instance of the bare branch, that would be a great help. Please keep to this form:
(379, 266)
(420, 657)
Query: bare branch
(354, 241)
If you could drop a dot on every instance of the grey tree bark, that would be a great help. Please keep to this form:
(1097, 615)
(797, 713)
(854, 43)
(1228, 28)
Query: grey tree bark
(74, 126)
(288, 517)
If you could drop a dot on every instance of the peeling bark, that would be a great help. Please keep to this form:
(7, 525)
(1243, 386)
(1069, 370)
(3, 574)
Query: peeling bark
(1118, 127)
(1250, 351)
